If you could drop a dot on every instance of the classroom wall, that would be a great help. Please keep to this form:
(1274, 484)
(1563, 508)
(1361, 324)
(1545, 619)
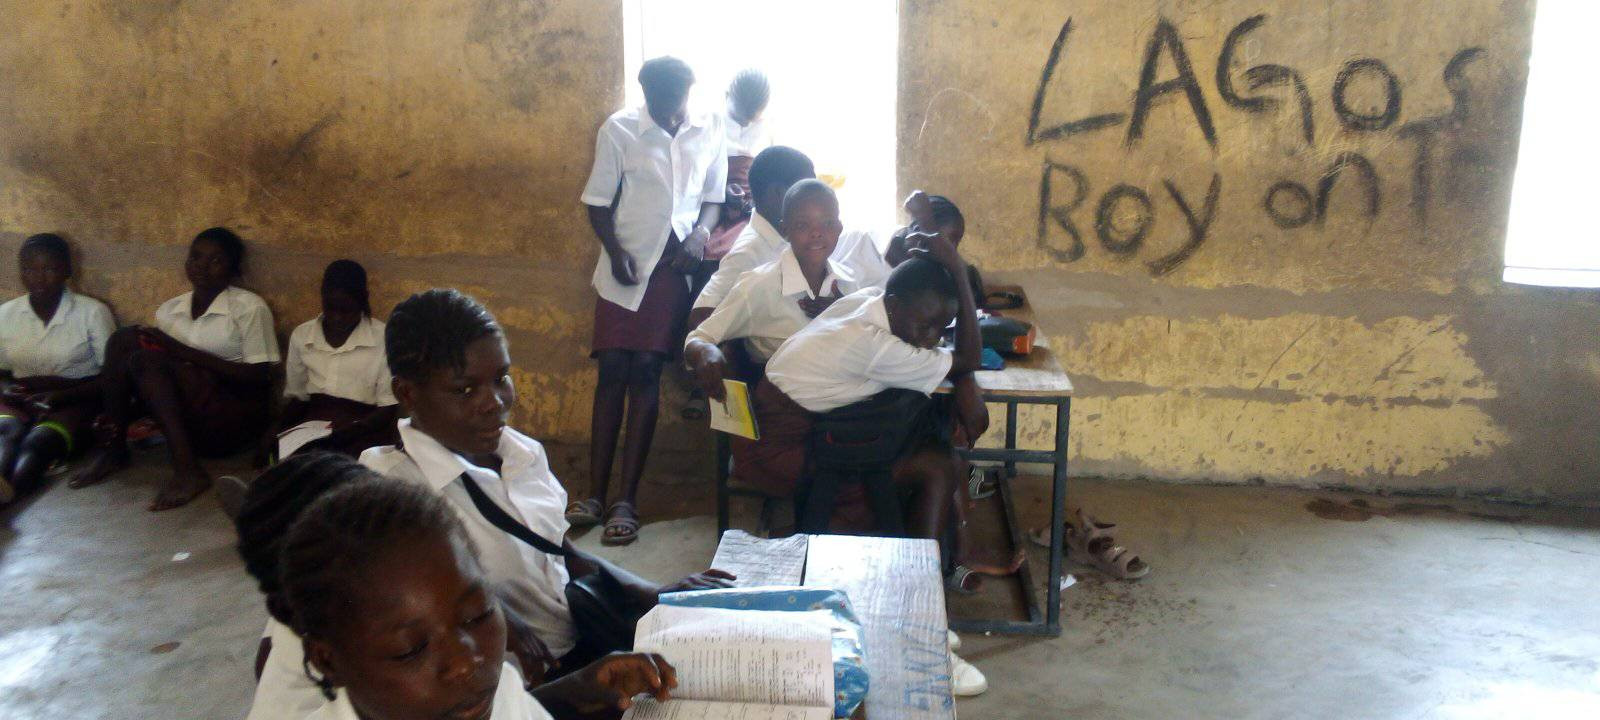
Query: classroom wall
(1273, 253)
(440, 143)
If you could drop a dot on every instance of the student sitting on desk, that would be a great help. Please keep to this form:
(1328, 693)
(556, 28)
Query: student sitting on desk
(52, 345)
(336, 374)
(452, 375)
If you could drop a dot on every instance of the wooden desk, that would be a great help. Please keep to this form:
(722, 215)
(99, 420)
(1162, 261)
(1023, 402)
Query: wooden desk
(1035, 379)
(897, 591)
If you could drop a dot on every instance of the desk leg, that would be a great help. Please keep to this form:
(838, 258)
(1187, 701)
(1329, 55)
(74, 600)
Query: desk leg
(1058, 511)
(724, 451)
(1011, 436)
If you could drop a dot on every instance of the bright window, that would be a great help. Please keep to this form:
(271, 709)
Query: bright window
(1552, 238)
(832, 67)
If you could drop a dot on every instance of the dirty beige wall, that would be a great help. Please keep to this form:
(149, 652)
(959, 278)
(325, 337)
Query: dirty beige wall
(1283, 262)
(440, 143)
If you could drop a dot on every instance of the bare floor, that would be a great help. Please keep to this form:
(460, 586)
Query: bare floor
(1263, 604)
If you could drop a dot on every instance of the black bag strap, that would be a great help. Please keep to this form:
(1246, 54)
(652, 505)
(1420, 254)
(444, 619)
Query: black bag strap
(498, 517)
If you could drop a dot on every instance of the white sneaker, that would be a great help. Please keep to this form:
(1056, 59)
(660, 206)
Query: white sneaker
(966, 680)
(955, 640)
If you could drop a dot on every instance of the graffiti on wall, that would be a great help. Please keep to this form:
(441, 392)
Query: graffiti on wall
(1075, 215)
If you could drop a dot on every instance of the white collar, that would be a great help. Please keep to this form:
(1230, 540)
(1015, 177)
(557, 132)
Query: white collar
(222, 304)
(874, 311)
(766, 231)
(794, 280)
(647, 121)
(440, 466)
(362, 336)
(63, 308)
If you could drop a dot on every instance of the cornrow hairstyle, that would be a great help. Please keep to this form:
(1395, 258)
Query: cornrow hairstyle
(780, 166)
(271, 505)
(919, 276)
(344, 532)
(807, 191)
(944, 211)
(231, 246)
(665, 78)
(431, 330)
(350, 278)
(50, 244)
(750, 91)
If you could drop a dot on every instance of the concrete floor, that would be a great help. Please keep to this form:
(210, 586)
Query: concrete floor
(1263, 604)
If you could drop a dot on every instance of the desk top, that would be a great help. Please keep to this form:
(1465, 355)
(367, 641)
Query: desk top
(896, 590)
(1037, 374)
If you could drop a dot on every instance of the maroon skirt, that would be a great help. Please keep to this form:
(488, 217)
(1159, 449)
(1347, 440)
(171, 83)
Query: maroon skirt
(657, 326)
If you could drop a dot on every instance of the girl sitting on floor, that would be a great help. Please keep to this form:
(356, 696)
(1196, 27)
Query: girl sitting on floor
(52, 345)
(204, 372)
(399, 620)
(336, 377)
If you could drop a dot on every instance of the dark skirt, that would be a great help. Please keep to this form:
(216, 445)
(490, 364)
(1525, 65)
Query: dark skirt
(774, 463)
(221, 417)
(657, 326)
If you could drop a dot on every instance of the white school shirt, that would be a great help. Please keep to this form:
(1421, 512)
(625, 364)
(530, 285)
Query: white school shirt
(847, 354)
(237, 327)
(764, 305)
(664, 179)
(357, 370)
(511, 702)
(284, 692)
(760, 243)
(71, 345)
(527, 491)
(747, 140)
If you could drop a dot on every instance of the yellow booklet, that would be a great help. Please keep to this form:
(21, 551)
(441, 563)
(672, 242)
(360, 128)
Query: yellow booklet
(735, 415)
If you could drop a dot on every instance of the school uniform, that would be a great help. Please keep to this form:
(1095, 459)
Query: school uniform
(342, 383)
(845, 355)
(222, 414)
(511, 702)
(761, 243)
(746, 140)
(662, 180)
(764, 309)
(71, 345)
(284, 692)
(535, 583)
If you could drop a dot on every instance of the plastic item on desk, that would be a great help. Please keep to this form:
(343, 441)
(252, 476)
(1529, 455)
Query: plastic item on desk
(1007, 335)
(991, 360)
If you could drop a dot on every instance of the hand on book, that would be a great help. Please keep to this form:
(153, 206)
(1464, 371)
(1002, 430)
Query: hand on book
(708, 580)
(611, 682)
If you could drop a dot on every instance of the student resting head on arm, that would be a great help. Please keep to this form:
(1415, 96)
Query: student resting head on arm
(203, 371)
(52, 346)
(452, 373)
(400, 621)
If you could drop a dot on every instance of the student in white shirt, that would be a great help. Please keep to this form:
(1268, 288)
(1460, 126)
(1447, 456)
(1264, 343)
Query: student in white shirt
(204, 372)
(336, 378)
(748, 95)
(452, 376)
(772, 302)
(653, 196)
(774, 171)
(52, 345)
(400, 619)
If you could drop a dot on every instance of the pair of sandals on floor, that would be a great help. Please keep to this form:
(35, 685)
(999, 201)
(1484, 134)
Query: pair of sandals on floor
(621, 520)
(1088, 542)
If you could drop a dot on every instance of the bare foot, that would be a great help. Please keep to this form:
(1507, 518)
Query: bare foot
(106, 460)
(994, 566)
(178, 491)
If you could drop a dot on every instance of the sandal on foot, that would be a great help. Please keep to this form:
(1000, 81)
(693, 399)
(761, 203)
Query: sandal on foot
(963, 580)
(584, 513)
(620, 530)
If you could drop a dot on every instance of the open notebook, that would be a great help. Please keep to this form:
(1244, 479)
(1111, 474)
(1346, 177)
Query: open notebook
(740, 664)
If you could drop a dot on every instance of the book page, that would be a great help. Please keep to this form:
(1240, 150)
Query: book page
(647, 708)
(752, 656)
(735, 415)
(292, 439)
(761, 562)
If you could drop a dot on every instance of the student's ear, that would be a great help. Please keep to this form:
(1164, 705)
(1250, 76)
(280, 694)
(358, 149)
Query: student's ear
(405, 391)
(319, 656)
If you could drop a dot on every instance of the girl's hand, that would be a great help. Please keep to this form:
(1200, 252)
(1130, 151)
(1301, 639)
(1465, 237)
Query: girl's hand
(935, 247)
(708, 366)
(612, 681)
(622, 267)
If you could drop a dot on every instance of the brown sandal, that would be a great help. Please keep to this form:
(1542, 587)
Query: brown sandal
(1090, 543)
(584, 513)
(620, 530)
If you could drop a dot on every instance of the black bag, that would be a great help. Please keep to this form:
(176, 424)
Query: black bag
(602, 611)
